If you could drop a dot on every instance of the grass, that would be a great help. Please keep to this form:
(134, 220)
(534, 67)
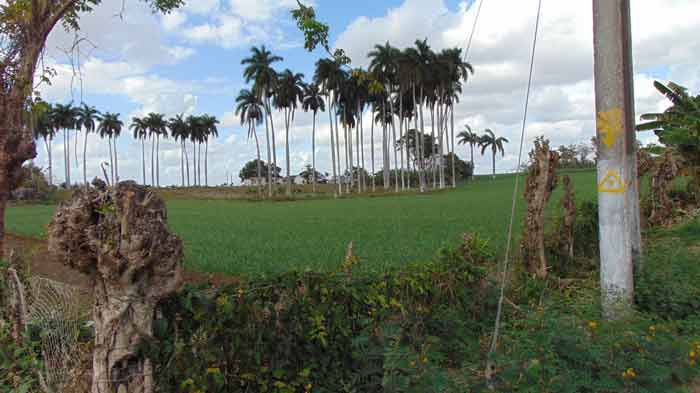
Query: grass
(252, 238)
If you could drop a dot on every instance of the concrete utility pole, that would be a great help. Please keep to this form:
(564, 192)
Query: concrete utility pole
(618, 194)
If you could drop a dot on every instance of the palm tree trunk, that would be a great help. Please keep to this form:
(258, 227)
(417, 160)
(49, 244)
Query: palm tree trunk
(269, 156)
(385, 150)
(47, 143)
(357, 150)
(75, 151)
(348, 170)
(111, 160)
(401, 137)
(452, 138)
(337, 145)
(187, 161)
(153, 158)
(393, 146)
(313, 153)
(158, 160)
(259, 164)
(272, 127)
(362, 152)
(287, 120)
(421, 173)
(116, 161)
(471, 145)
(432, 146)
(143, 159)
(374, 187)
(85, 158)
(330, 121)
(66, 151)
(494, 165)
(199, 164)
(182, 165)
(206, 161)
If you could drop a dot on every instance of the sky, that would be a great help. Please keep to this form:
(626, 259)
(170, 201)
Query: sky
(132, 62)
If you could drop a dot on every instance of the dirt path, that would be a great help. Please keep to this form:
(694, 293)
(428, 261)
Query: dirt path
(43, 264)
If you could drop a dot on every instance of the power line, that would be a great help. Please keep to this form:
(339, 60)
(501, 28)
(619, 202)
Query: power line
(471, 35)
(497, 324)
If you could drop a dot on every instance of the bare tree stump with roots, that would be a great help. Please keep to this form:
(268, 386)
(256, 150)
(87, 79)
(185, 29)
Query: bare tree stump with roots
(120, 238)
(541, 181)
(662, 206)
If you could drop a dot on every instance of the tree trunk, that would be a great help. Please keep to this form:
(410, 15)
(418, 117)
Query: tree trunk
(269, 152)
(111, 160)
(494, 166)
(116, 161)
(330, 121)
(259, 164)
(158, 160)
(432, 146)
(85, 158)
(67, 152)
(348, 169)
(206, 161)
(313, 153)
(419, 140)
(287, 120)
(401, 137)
(337, 145)
(385, 150)
(362, 153)
(187, 161)
(134, 261)
(48, 143)
(182, 164)
(452, 137)
(371, 136)
(393, 139)
(143, 159)
(272, 128)
(153, 158)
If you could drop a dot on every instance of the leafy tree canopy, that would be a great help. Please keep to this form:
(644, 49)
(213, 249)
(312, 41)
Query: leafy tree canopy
(250, 170)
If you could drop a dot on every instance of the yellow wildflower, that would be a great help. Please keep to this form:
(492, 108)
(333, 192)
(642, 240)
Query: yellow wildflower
(592, 325)
(629, 373)
(692, 354)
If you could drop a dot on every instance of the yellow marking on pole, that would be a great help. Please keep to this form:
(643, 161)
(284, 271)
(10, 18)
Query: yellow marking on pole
(610, 126)
(611, 183)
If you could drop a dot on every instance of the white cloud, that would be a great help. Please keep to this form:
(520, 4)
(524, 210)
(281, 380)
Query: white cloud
(173, 20)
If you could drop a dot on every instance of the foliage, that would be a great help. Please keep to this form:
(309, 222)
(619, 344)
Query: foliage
(18, 364)
(33, 178)
(671, 290)
(678, 127)
(565, 347)
(327, 332)
(575, 156)
(250, 170)
(308, 175)
(316, 33)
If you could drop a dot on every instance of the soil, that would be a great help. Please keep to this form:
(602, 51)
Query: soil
(43, 264)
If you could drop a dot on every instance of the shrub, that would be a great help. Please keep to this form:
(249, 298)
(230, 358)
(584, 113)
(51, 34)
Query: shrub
(338, 332)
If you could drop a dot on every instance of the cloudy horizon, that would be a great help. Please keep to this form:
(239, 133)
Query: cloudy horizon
(133, 62)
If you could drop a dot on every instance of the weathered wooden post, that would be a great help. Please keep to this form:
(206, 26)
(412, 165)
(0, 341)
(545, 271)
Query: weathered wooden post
(119, 237)
(618, 194)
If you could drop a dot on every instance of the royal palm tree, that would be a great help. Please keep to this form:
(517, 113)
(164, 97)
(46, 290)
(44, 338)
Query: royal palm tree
(209, 130)
(63, 117)
(384, 65)
(86, 118)
(259, 71)
(330, 76)
(111, 127)
(44, 129)
(467, 137)
(251, 111)
(313, 101)
(179, 133)
(289, 91)
(139, 128)
(157, 126)
(490, 140)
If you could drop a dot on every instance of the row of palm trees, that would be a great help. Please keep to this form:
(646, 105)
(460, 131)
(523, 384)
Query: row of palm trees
(488, 140)
(51, 119)
(397, 90)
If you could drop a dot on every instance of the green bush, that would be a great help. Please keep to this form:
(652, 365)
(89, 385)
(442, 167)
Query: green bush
(336, 332)
(555, 350)
(669, 285)
(18, 364)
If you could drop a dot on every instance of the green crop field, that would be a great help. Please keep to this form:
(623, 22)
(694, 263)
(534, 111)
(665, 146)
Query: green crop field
(252, 238)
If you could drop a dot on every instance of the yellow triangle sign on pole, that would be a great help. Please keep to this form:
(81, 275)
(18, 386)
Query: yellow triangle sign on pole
(611, 183)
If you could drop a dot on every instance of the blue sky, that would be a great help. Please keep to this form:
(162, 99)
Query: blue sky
(190, 62)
